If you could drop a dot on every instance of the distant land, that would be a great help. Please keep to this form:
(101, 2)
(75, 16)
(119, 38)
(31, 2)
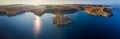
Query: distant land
(58, 10)
(96, 10)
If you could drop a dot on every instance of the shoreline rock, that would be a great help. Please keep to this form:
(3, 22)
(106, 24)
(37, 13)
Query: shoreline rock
(61, 20)
(99, 11)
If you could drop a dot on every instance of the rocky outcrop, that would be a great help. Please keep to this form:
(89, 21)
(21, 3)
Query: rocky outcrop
(38, 12)
(61, 20)
(98, 11)
(15, 10)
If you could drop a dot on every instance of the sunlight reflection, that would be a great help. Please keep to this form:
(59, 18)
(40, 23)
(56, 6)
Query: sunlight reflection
(37, 25)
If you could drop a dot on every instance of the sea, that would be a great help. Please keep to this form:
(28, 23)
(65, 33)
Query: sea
(84, 26)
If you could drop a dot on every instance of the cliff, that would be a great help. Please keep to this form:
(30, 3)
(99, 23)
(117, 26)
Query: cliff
(99, 11)
(61, 20)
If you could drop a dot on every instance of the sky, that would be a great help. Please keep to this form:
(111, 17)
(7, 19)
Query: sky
(37, 2)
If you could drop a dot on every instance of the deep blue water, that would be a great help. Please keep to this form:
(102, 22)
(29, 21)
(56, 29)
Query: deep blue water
(84, 26)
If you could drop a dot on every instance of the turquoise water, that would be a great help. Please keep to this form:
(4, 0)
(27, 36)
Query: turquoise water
(84, 26)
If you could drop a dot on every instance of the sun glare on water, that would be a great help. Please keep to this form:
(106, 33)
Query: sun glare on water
(37, 25)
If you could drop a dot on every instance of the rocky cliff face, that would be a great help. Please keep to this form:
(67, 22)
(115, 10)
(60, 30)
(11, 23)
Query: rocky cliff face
(99, 11)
